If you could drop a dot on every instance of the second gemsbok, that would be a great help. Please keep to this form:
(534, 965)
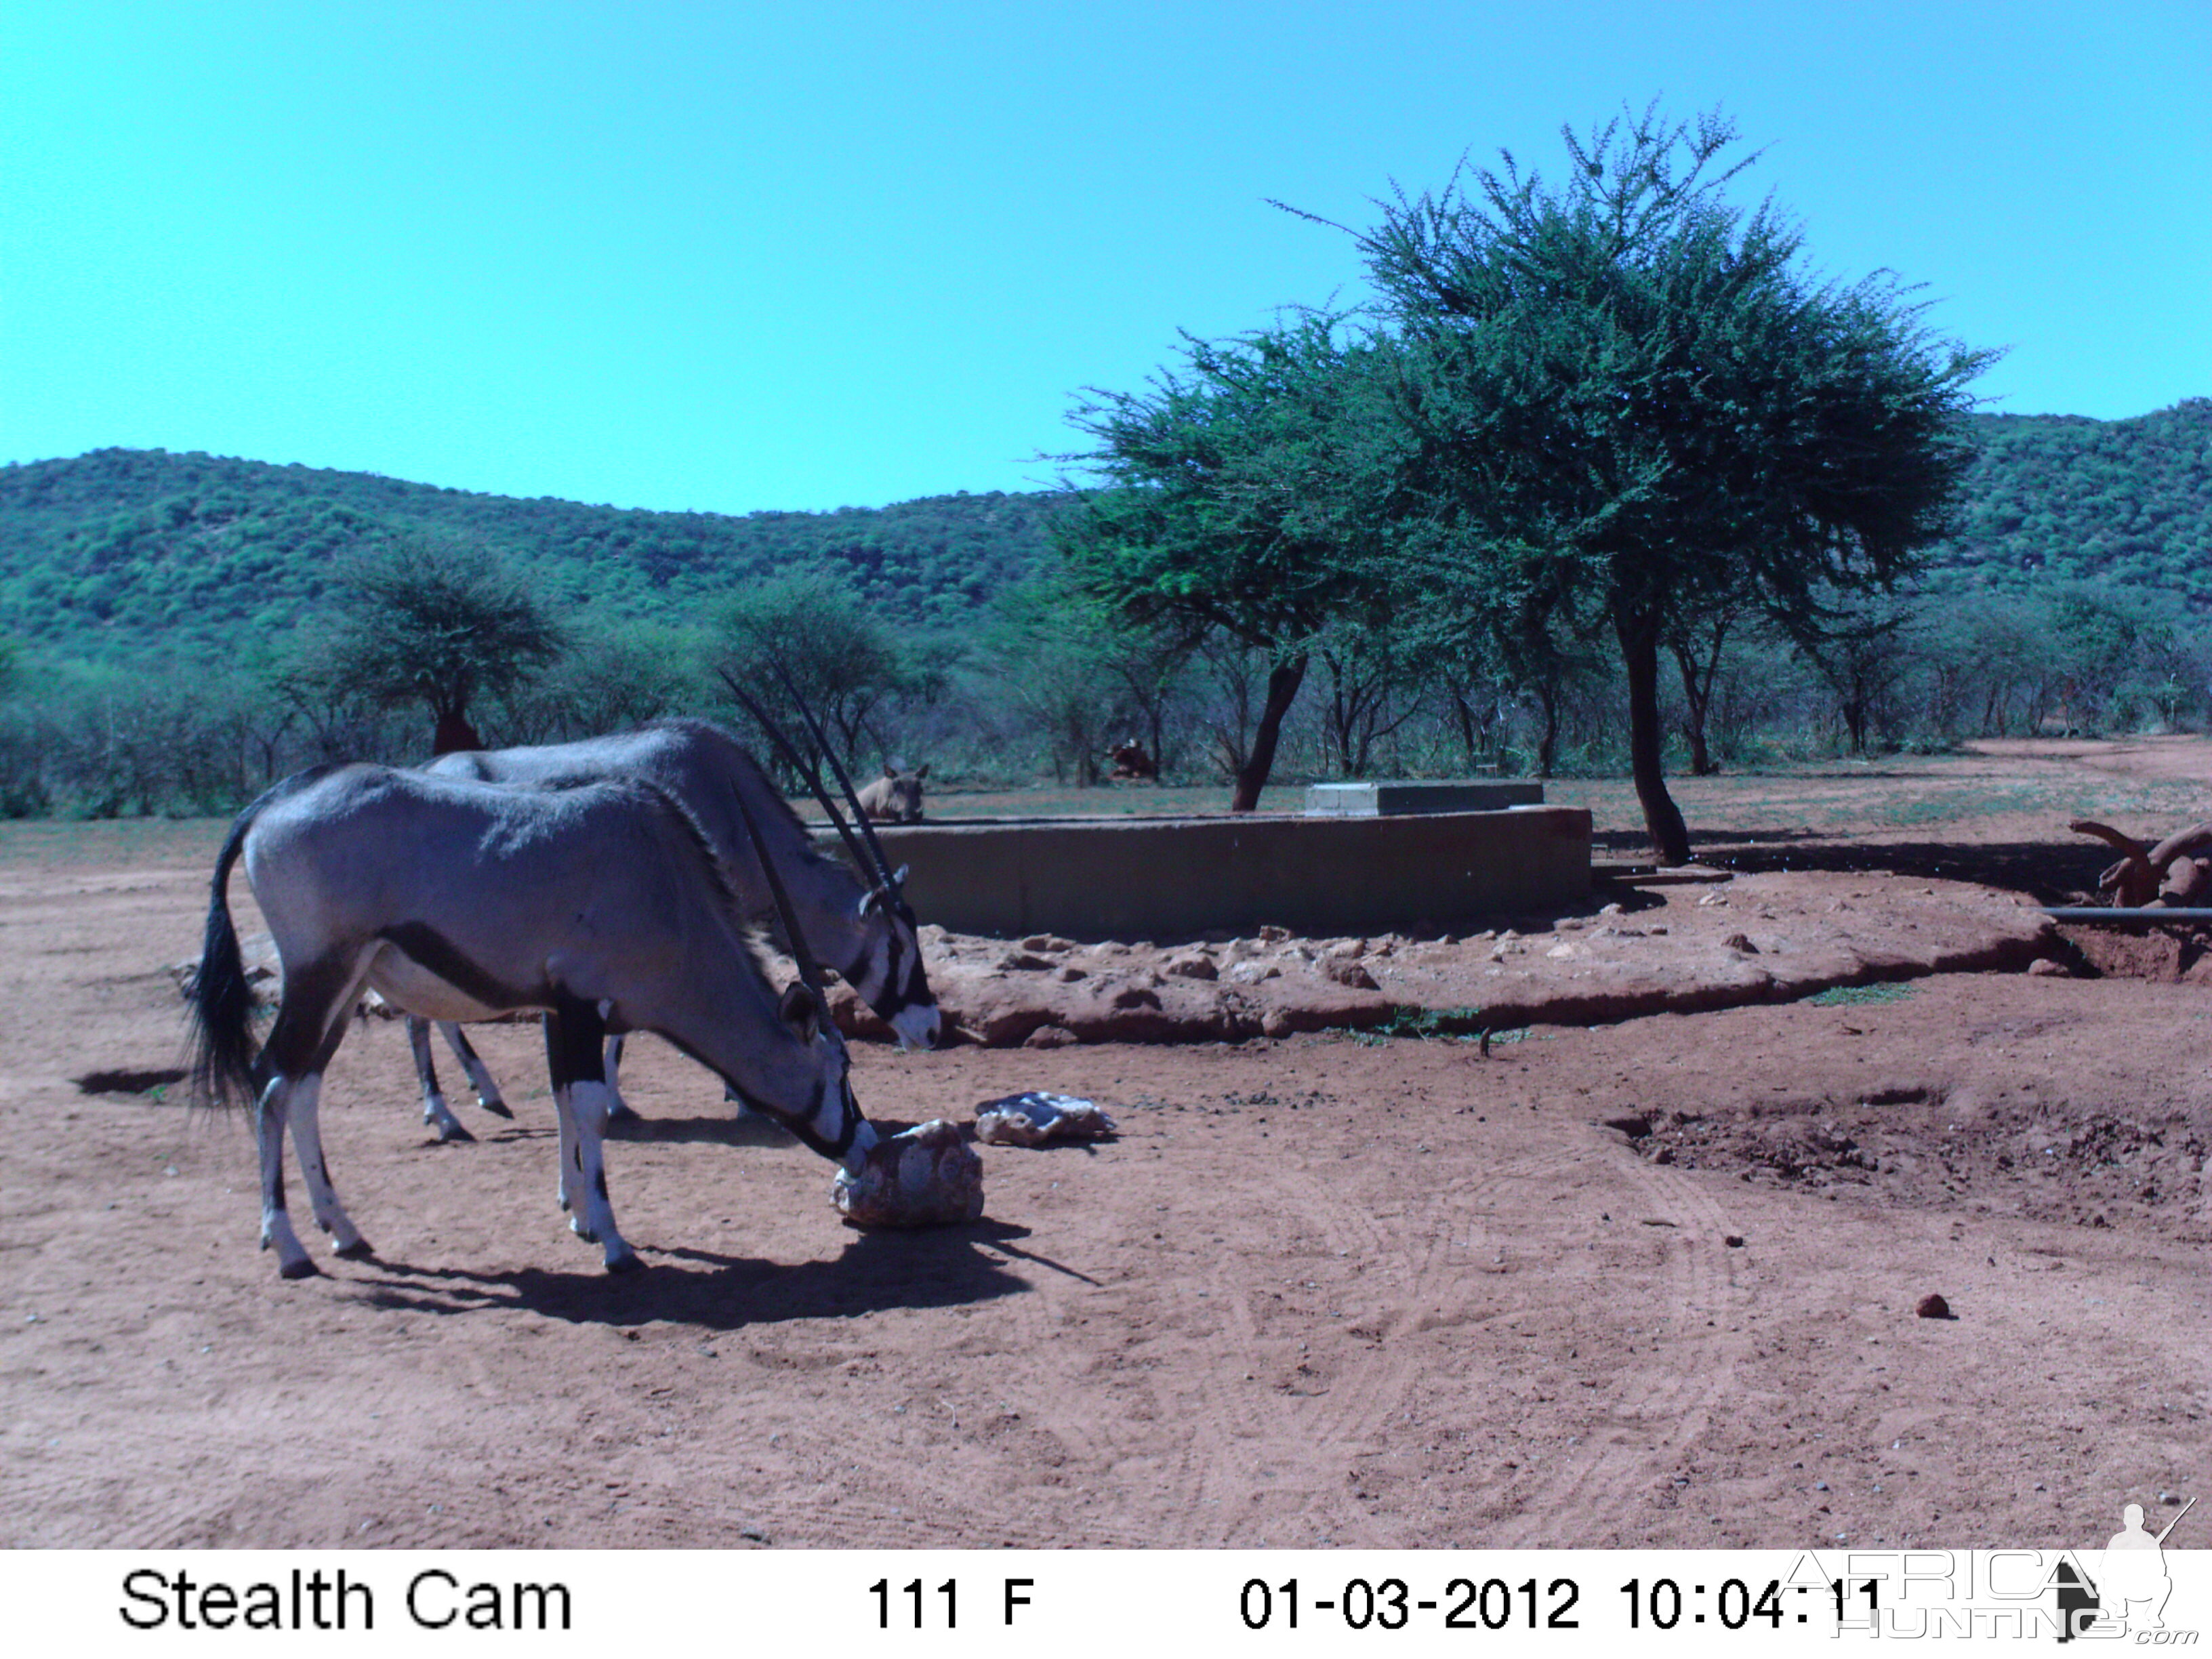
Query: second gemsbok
(860, 924)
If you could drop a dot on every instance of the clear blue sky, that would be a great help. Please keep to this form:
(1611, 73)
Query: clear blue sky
(731, 256)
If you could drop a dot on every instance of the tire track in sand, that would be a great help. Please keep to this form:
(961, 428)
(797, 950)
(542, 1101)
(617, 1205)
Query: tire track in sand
(1320, 1327)
(1659, 1407)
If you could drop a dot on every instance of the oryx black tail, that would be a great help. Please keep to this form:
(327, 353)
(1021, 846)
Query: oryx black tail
(222, 996)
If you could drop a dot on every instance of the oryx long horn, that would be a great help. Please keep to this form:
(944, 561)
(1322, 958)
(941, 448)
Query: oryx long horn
(861, 858)
(809, 971)
(859, 816)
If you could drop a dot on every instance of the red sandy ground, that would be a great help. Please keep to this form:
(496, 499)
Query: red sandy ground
(1646, 1283)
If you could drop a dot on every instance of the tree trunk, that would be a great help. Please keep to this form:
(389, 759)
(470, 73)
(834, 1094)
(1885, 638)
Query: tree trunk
(1640, 650)
(1701, 763)
(1465, 715)
(1548, 744)
(1854, 716)
(1694, 698)
(1698, 700)
(1283, 682)
(454, 733)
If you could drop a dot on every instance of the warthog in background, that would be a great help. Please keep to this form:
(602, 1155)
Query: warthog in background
(896, 797)
(1131, 762)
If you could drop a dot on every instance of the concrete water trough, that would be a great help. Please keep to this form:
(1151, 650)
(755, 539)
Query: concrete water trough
(1161, 879)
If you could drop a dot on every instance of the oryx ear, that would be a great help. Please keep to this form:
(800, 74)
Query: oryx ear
(870, 899)
(922, 770)
(889, 771)
(899, 880)
(799, 1011)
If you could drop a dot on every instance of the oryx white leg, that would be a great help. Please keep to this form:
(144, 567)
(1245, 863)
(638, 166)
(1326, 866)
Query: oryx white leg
(618, 1109)
(566, 1121)
(303, 1113)
(480, 1077)
(435, 1113)
(575, 1033)
(268, 1116)
(595, 1217)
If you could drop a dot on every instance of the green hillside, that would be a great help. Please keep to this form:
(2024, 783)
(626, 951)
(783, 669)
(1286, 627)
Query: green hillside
(120, 551)
(2063, 498)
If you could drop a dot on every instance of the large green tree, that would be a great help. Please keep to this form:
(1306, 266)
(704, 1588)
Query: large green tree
(433, 623)
(1246, 494)
(1622, 389)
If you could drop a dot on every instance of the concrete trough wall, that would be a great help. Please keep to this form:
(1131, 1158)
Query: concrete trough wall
(1163, 878)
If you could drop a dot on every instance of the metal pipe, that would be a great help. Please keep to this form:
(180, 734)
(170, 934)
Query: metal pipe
(2098, 915)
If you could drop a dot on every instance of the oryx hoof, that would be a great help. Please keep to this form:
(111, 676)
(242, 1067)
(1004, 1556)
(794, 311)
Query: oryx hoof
(304, 1267)
(497, 1108)
(453, 1132)
(627, 1262)
(620, 1112)
(360, 1251)
(577, 1226)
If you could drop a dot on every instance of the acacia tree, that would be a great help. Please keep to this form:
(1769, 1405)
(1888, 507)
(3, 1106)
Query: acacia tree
(430, 622)
(1248, 495)
(1697, 642)
(814, 629)
(1049, 655)
(1376, 675)
(1625, 389)
(617, 674)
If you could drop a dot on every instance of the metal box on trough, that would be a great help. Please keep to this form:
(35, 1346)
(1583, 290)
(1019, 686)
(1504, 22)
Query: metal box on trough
(1401, 800)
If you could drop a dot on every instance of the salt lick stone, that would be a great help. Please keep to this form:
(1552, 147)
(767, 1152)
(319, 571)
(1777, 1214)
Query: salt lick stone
(1033, 1119)
(927, 1177)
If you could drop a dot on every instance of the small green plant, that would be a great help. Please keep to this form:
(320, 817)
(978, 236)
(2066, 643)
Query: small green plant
(1463, 1024)
(1844, 996)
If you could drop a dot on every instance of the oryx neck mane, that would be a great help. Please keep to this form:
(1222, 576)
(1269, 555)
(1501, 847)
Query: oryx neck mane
(718, 874)
(760, 947)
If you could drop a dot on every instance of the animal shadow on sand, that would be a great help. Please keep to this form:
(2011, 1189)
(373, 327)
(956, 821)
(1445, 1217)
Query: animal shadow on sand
(712, 1129)
(723, 1128)
(933, 1268)
(2052, 873)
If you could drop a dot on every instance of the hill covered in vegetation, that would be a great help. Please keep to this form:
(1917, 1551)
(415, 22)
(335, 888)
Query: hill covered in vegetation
(2062, 498)
(120, 552)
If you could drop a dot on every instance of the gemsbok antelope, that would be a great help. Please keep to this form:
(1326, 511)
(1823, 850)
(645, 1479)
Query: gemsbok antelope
(604, 907)
(861, 926)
